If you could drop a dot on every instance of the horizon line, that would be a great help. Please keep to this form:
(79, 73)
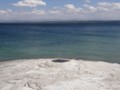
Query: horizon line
(55, 21)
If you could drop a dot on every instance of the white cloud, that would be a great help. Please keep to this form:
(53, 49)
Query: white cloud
(101, 11)
(5, 11)
(71, 8)
(39, 12)
(102, 7)
(88, 8)
(108, 6)
(34, 12)
(54, 11)
(30, 3)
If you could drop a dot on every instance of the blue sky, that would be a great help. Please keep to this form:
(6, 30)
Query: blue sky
(40, 10)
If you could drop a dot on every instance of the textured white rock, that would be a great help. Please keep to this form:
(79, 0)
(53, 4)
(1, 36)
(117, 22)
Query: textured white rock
(44, 74)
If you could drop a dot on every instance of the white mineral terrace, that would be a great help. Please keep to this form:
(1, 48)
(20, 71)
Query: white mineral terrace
(59, 74)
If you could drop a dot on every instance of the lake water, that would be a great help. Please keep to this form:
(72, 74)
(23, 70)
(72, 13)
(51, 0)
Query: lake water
(90, 40)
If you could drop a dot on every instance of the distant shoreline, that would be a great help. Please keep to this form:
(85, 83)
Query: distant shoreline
(82, 21)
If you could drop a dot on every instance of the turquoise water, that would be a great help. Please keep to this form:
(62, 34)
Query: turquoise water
(85, 40)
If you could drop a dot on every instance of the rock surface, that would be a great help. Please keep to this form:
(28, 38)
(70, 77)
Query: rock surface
(49, 74)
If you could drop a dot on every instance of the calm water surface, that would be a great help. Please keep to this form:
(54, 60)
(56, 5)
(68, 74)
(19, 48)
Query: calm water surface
(85, 40)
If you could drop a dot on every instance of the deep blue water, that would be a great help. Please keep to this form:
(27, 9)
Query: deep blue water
(86, 40)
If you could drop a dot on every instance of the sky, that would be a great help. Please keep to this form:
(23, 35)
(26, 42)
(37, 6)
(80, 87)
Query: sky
(59, 10)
